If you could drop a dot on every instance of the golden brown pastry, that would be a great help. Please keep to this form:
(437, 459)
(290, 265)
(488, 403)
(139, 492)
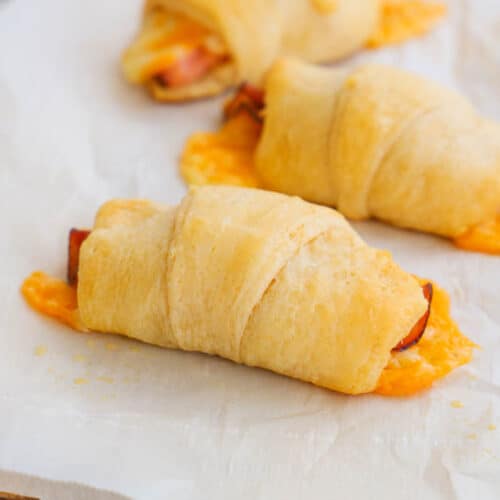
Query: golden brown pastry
(262, 279)
(373, 142)
(193, 48)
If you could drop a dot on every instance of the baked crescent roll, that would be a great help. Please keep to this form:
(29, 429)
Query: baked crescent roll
(193, 48)
(261, 279)
(373, 142)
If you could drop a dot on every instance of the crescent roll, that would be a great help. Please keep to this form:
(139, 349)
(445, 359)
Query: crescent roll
(261, 279)
(374, 141)
(193, 48)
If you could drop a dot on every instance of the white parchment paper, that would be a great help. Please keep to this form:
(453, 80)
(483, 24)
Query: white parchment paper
(155, 424)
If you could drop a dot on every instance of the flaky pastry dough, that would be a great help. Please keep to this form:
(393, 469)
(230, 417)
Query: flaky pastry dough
(379, 142)
(259, 278)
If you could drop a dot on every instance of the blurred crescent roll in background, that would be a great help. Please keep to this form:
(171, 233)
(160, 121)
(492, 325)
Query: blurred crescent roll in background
(194, 48)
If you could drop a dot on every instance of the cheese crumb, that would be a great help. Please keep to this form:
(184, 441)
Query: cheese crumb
(40, 350)
(107, 380)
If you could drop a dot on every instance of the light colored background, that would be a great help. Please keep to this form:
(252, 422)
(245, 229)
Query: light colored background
(151, 423)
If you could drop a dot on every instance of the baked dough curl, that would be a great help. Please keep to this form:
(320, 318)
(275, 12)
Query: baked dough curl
(379, 142)
(256, 277)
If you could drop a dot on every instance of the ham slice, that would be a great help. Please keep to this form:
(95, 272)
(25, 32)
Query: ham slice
(190, 68)
(418, 330)
(75, 241)
(248, 99)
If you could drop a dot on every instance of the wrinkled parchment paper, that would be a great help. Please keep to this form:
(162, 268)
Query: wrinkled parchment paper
(154, 424)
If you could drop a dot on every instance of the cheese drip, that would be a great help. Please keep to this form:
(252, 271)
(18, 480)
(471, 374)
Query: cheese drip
(441, 349)
(401, 20)
(53, 298)
(484, 237)
(223, 157)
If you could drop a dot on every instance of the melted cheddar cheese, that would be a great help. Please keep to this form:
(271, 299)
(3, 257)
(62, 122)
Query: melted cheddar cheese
(165, 39)
(225, 156)
(482, 238)
(54, 298)
(404, 19)
(325, 6)
(441, 349)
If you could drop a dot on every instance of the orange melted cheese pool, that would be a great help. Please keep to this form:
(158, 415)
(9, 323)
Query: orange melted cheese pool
(441, 349)
(54, 298)
(404, 19)
(225, 156)
(165, 39)
(482, 238)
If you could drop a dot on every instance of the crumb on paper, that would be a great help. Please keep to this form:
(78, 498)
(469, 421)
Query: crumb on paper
(472, 436)
(134, 348)
(111, 347)
(456, 404)
(131, 380)
(492, 427)
(91, 344)
(79, 358)
(80, 381)
(40, 350)
(107, 380)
